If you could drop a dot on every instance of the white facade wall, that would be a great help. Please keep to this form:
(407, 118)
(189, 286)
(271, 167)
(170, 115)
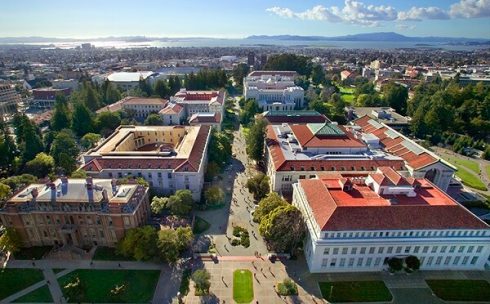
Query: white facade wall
(442, 178)
(354, 251)
(172, 119)
(143, 110)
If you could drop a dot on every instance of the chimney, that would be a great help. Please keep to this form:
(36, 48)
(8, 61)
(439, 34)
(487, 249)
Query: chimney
(34, 193)
(89, 180)
(64, 185)
(114, 186)
(52, 186)
(90, 189)
(104, 195)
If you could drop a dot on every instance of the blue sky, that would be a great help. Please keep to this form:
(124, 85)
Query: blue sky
(237, 18)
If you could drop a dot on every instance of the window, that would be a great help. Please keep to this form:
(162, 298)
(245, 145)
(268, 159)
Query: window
(359, 262)
(369, 261)
(351, 262)
(380, 250)
(456, 260)
(434, 249)
(371, 250)
(344, 250)
(465, 260)
(336, 251)
(333, 262)
(390, 250)
(443, 249)
(447, 260)
(302, 176)
(473, 260)
(479, 249)
(452, 248)
(429, 261)
(438, 260)
(326, 250)
(416, 249)
(461, 249)
(377, 262)
(363, 250)
(470, 249)
(324, 262)
(353, 250)
(398, 249)
(407, 249)
(342, 262)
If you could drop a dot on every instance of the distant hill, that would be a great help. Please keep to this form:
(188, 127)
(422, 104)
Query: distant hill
(379, 36)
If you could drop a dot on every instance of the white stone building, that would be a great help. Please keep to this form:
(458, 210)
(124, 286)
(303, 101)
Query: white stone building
(195, 102)
(9, 100)
(356, 223)
(128, 80)
(274, 90)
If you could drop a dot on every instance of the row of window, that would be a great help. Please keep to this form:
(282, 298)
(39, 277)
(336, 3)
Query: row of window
(405, 233)
(375, 262)
(402, 249)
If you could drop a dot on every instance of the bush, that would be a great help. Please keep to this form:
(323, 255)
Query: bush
(184, 284)
(287, 288)
(395, 264)
(245, 240)
(237, 231)
(413, 263)
(235, 242)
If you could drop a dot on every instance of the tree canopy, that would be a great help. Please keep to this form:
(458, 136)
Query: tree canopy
(289, 62)
(65, 151)
(255, 140)
(139, 243)
(181, 202)
(214, 196)
(41, 165)
(153, 120)
(172, 243)
(267, 205)
(258, 185)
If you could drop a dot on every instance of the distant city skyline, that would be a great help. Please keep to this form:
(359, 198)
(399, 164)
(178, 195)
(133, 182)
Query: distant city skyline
(237, 19)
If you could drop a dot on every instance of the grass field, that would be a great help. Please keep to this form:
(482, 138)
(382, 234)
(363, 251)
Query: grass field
(32, 253)
(487, 168)
(355, 291)
(14, 280)
(109, 254)
(40, 295)
(140, 284)
(470, 164)
(461, 290)
(470, 179)
(243, 289)
(200, 225)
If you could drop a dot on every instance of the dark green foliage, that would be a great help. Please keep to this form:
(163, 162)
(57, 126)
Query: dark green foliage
(82, 122)
(206, 79)
(153, 120)
(248, 111)
(239, 72)
(171, 243)
(258, 185)
(145, 87)
(161, 89)
(202, 281)
(41, 165)
(412, 262)
(139, 243)
(184, 283)
(396, 96)
(18, 182)
(107, 122)
(289, 62)
(267, 205)
(180, 203)
(64, 150)
(395, 264)
(255, 140)
(318, 74)
(287, 288)
(8, 151)
(61, 116)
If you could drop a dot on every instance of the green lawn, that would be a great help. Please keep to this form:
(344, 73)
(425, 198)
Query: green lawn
(243, 286)
(109, 254)
(469, 179)
(14, 280)
(460, 161)
(40, 295)
(140, 284)
(355, 291)
(36, 253)
(200, 225)
(461, 290)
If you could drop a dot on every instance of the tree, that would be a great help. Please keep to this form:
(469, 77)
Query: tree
(486, 153)
(112, 94)
(74, 290)
(139, 243)
(89, 140)
(181, 202)
(61, 115)
(41, 165)
(283, 228)
(106, 122)
(5, 192)
(161, 89)
(153, 120)
(18, 182)
(10, 240)
(320, 107)
(174, 84)
(82, 122)
(395, 264)
(214, 196)
(318, 74)
(248, 112)
(64, 150)
(412, 262)
(289, 62)
(79, 174)
(267, 205)
(158, 204)
(31, 142)
(396, 96)
(220, 148)
(172, 243)
(90, 97)
(255, 140)
(145, 87)
(239, 72)
(8, 150)
(258, 185)
(202, 281)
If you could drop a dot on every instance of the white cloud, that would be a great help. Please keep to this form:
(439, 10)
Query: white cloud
(420, 13)
(357, 12)
(281, 11)
(470, 9)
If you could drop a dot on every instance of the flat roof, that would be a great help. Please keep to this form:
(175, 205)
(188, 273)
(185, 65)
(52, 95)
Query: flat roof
(128, 76)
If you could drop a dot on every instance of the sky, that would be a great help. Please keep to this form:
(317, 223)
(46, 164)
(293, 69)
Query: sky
(239, 18)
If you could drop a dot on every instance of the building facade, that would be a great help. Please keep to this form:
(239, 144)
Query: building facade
(78, 212)
(169, 158)
(9, 100)
(195, 102)
(45, 98)
(128, 80)
(274, 90)
(358, 222)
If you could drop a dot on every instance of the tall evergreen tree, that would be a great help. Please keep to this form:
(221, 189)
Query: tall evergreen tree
(161, 89)
(82, 120)
(61, 115)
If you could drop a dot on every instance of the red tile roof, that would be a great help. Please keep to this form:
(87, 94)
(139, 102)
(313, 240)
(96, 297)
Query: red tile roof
(174, 109)
(202, 95)
(281, 164)
(395, 145)
(273, 73)
(363, 209)
(144, 101)
(296, 119)
(192, 163)
(197, 118)
(307, 139)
